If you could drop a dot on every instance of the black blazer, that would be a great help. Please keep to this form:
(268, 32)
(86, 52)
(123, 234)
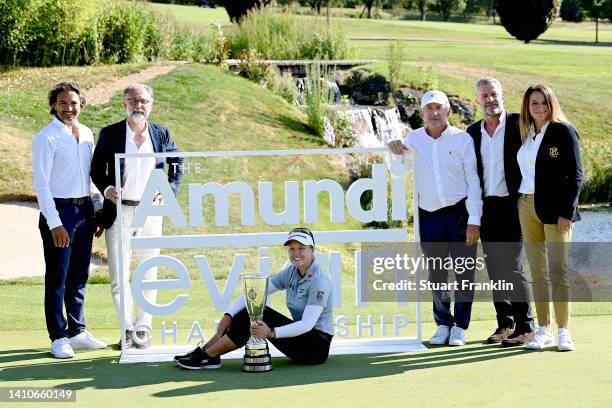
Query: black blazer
(111, 140)
(558, 174)
(512, 143)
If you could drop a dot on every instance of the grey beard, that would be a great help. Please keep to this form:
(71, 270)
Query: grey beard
(138, 117)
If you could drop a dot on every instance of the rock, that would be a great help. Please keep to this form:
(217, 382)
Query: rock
(462, 108)
(366, 88)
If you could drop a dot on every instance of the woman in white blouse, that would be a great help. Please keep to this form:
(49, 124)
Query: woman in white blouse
(551, 171)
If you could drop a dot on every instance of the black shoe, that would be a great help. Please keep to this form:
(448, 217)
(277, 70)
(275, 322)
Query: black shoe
(191, 353)
(199, 360)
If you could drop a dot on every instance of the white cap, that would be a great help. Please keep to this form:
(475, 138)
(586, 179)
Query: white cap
(300, 237)
(434, 97)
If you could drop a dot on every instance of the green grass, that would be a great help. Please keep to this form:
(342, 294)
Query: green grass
(455, 55)
(469, 376)
(564, 57)
(24, 111)
(196, 17)
(210, 109)
(477, 375)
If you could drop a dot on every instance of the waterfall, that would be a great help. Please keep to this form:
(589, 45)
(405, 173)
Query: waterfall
(373, 126)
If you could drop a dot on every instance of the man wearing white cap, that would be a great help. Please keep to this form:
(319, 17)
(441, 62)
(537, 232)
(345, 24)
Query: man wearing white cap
(450, 207)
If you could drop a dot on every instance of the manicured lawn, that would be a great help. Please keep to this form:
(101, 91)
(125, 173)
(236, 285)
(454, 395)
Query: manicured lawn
(24, 111)
(196, 17)
(210, 109)
(477, 375)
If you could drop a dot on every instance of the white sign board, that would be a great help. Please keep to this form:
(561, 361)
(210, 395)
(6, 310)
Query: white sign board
(247, 214)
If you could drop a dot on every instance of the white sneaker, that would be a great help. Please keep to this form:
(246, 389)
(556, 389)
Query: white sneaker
(61, 348)
(542, 338)
(457, 336)
(85, 340)
(441, 335)
(565, 342)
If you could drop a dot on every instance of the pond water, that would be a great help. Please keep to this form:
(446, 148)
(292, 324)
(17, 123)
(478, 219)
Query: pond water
(595, 226)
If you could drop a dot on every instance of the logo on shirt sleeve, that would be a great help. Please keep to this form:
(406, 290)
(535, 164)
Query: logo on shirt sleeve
(320, 294)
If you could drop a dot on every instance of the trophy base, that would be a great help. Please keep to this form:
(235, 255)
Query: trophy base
(257, 358)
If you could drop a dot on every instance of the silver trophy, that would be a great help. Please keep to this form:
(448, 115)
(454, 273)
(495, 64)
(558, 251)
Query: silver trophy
(256, 352)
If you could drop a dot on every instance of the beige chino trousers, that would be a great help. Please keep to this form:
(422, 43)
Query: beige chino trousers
(547, 253)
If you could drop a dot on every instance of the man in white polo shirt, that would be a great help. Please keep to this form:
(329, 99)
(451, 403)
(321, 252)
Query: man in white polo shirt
(61, 159)
(134, 135)
(497, 139)
(450, 207)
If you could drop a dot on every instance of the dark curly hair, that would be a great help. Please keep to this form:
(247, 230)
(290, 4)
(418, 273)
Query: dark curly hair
(65, 86)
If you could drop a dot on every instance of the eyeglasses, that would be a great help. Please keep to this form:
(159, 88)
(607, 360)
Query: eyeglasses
(135, 102)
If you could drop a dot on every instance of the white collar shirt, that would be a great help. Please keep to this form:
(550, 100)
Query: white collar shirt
(526, 158)
(492, 153)
(61, 166)
(136, 169)
(445, 171)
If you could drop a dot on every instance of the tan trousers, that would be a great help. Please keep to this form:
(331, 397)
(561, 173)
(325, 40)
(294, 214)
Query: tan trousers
(547, 252)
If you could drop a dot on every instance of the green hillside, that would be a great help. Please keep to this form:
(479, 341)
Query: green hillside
(205, 107)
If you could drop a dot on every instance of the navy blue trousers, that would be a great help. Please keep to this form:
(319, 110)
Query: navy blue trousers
(67, 269)
(442, 238)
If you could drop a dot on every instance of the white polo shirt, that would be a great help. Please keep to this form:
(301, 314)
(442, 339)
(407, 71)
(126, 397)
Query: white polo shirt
(492, 153)
(445, 170)
(136, 171)
(526, 157)
(61, 166)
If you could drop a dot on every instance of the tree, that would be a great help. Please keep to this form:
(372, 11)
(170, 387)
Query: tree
(597, 9)
(446, 8)
(526, 19)
(422, 4)
(571, 10)
(238, 9)
(368, 4)
(315, 5)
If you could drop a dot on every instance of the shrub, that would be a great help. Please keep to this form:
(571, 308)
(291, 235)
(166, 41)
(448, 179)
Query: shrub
(219, 45)
(282, 85)
(285, 36)
(343, 130)
(85, 32)
(318, 97)
(597, 167)
(251, 66)
(395, 58)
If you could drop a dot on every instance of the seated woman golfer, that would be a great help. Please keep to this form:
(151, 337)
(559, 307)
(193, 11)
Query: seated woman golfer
(305, 339)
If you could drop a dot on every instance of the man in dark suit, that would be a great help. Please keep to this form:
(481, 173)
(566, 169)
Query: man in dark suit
(497, 140)
(134, 135)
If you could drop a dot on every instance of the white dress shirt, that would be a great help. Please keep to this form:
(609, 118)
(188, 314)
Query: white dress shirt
(136, 170)
(526, 157)
(445, 171)
(61, 166)
(492, 153)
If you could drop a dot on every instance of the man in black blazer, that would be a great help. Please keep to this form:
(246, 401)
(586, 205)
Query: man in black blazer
(133, 135)
(497, 140)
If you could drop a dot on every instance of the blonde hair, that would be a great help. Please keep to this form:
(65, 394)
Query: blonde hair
(555, 112)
